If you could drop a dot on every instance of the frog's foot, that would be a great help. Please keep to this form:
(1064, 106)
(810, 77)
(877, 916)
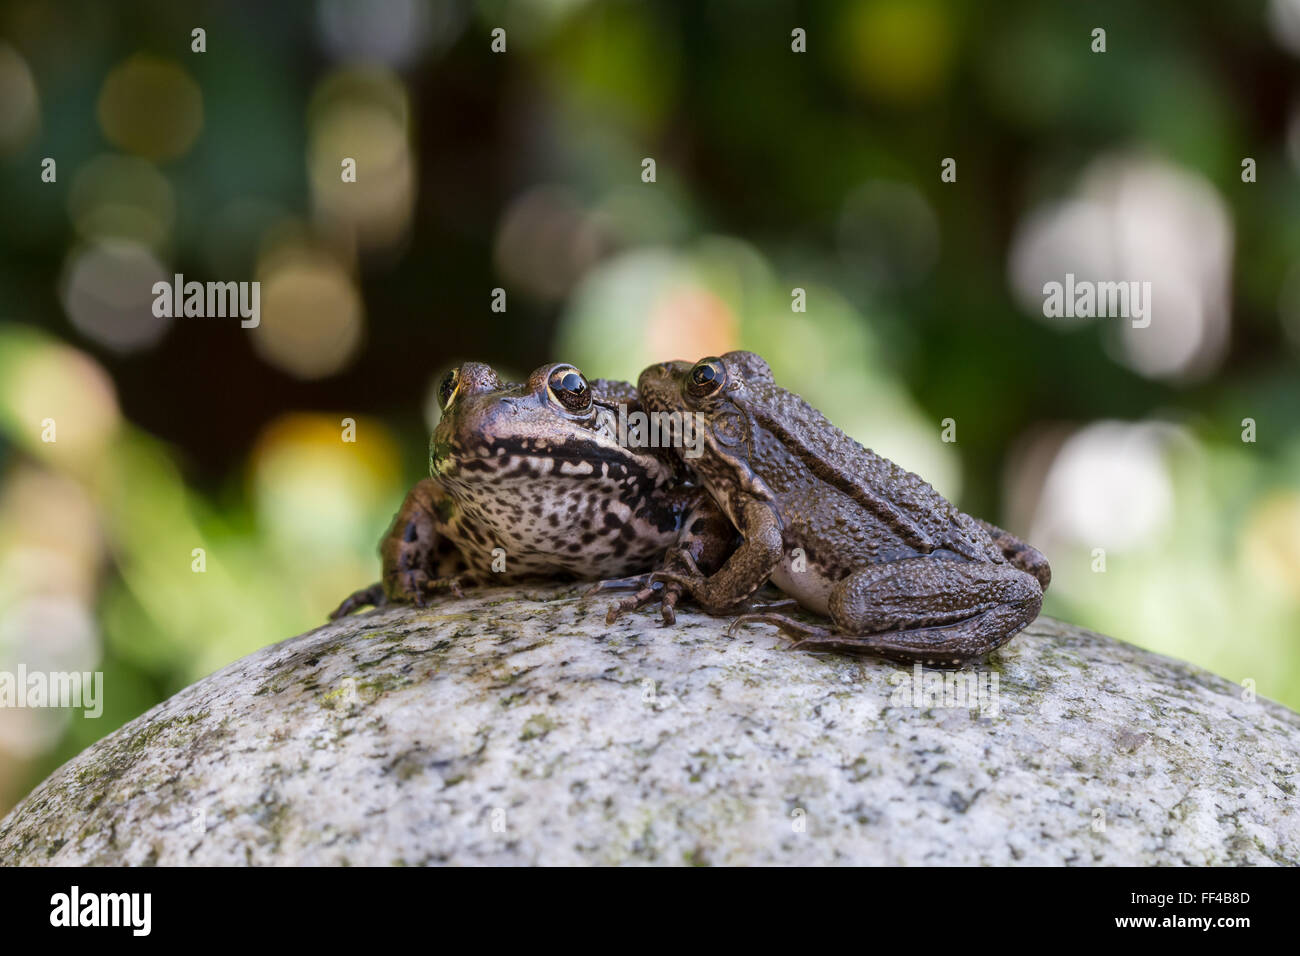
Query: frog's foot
(668, 608)
(669, 594)
(656, 585)
(676, 583)
(801, 633)
(938, 646)
(644, 594)
(674, 578)
(431, 586)
(373, 595)
(642, 597)
(416, 587)
(908, 645)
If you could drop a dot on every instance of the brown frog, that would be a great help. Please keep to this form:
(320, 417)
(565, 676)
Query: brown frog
(848, 534)
(529, 481)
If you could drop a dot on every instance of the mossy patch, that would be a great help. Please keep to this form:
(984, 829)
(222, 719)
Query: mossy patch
(537, 726)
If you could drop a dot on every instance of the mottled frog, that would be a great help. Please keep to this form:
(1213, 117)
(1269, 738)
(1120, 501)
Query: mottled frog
(900, 571)
(529, 481)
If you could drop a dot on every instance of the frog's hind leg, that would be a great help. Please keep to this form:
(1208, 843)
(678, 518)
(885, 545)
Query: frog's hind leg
(922, 610)
(932, 611)
(939, 646)
(1022, 555)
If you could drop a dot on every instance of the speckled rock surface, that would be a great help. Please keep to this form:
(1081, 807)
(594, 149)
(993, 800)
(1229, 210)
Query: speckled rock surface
(514, 727)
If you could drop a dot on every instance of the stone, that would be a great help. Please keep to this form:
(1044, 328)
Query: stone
(514, 727)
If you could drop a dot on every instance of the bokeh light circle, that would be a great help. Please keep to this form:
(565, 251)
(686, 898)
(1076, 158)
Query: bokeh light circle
(107, 291)
(21, 115)
(151, 107)
(122, 196)
(312, 315)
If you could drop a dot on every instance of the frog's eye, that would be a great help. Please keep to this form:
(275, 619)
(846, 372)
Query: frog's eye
(570, 388)
(705, 377)
(447, 388)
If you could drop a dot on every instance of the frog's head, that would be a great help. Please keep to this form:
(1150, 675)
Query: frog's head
(557, 424)
(714, 396)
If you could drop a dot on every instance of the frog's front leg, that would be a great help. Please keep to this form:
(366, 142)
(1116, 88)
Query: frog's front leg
(417, 558)
(747, 570)
(646, 592)
(925, 610)
(707, 538)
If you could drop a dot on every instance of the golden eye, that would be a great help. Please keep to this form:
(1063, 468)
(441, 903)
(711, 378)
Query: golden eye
(706, 377)
(447, 388)
(570, 388)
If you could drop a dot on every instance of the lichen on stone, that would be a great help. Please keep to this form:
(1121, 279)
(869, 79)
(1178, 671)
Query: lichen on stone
(514, 726)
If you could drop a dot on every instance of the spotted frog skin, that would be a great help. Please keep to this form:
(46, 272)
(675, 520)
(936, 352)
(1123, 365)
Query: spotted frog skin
(536, 470)
(848, 534)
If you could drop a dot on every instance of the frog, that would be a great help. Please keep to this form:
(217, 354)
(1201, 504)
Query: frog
(529, 481)
(849, 535)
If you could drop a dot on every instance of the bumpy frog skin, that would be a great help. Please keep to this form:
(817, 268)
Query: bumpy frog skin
(848, 534)
(536, 470)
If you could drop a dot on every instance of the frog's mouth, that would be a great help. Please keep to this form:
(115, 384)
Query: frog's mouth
(527, 459)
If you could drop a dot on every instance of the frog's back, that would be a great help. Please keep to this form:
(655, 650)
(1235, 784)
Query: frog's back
(882, 511)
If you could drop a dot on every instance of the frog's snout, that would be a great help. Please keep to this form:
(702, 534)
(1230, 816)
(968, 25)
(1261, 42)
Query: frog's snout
(478, 379)
(656, 373)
